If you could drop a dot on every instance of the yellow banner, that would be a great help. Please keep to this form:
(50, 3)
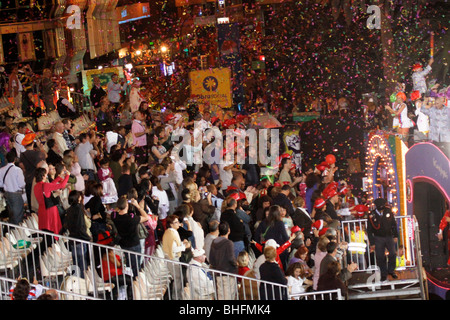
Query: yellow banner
(212, 87)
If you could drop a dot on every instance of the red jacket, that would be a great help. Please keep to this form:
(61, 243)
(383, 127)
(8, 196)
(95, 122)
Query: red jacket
(280, 250)
(444, 222)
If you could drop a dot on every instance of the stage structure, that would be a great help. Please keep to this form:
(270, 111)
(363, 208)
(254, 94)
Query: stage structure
(428, 191)
(385, 178)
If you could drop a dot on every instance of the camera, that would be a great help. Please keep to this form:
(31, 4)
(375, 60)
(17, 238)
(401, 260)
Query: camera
(206, 194)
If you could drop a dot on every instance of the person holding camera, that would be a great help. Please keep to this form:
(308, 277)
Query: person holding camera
(335, 252)
(49, 219)
(383, 234)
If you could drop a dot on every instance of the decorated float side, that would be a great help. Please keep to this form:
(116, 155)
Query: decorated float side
(416, 183)
(427, 183)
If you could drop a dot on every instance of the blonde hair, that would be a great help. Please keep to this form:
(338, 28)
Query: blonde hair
(299, 202)
(68, 161)
(194, 195)
(322, 244)
(270, 253)
(242, 259)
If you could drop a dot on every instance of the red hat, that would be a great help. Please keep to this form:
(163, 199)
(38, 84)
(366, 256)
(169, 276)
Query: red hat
(318, 225)
(330, 193)
(241, 117)
(229, 122)
(360, 209)
(277, 184)
(415, 95)
(295, 229)
(285, 182)
(319, 203)
(343, 190)
(214, 119)
(169, 117)
(330, 187)
(416, 67)
(323, 231)
(293, 166)
(237, 196)
(104, 238)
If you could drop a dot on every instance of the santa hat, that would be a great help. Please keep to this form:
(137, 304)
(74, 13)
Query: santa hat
(360, 209)
(330, 193)
(318, 225)
(169, 117)
(344, 190)
(237, 195)
(416, 66)
(241, 117)
(323, 231)
(277, 184)
(295, 229)
(229, 122)
(319, 203)
(214, 119)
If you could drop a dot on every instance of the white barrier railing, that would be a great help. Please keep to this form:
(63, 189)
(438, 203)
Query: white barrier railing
(354, 232)
(81, 269)
(84, 270)
(319, 295)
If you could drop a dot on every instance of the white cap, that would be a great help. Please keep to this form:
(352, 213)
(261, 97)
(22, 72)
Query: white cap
(271, 243)
(198, 252)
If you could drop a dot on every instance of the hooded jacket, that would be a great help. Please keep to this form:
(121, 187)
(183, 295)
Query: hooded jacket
(221, 256)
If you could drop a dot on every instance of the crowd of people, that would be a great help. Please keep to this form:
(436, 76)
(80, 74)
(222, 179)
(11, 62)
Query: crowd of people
(137, 177)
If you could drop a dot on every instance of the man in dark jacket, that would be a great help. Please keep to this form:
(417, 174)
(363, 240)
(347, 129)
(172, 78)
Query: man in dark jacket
(221, 258)
(237, 228)
(282, 199)
(97, 93)
(383, 234)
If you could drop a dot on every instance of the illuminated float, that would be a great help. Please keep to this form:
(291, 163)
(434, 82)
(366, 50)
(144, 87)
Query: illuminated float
(427, 183)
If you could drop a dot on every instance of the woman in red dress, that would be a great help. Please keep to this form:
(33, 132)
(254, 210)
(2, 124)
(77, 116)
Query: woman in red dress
(49, 219)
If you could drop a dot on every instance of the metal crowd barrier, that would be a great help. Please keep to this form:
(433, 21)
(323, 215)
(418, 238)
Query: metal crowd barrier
(79, 269)
(354, 232)
(318, 295)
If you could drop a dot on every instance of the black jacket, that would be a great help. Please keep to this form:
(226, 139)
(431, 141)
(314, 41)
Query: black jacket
(381, 225)
(301, 219)
(282, 200)
(237, 228)
(221, 256)
(96, 95)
